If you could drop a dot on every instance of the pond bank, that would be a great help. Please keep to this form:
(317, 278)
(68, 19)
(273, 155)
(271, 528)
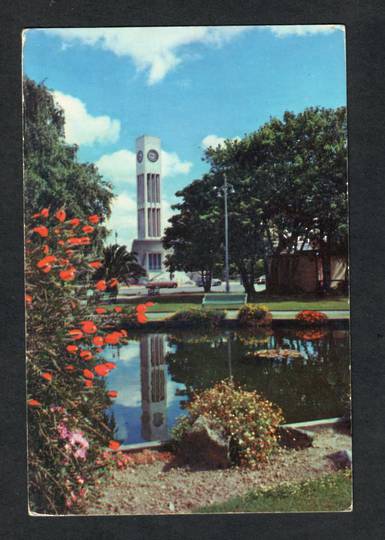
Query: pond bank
(165, 487)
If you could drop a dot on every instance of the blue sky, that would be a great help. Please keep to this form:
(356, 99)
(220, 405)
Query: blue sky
(190, 86)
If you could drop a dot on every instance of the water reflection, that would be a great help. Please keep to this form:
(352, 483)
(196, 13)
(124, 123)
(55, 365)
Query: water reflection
(157, 374)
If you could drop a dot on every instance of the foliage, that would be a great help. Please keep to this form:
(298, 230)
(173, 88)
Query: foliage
(245, 416)
(198, 317)
(329, 493)
(254, 314)
(67, 425)
(194, 235)
(312, 318)
(120, 264)
(53, 177)
(288, 187)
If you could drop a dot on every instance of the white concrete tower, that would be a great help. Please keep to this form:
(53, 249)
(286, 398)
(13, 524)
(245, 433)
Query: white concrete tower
(148, 245)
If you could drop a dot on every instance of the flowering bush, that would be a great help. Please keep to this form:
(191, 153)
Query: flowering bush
(245, 416)
(313, 334)
(254, 314)
(67, 398)
(197, 317)
(310, 317)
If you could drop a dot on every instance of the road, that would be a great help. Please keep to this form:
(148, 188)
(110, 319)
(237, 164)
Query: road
(136, 290)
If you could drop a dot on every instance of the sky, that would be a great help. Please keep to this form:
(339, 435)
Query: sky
(191, 86)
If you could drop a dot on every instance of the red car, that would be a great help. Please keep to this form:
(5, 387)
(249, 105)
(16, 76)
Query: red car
(162, 285)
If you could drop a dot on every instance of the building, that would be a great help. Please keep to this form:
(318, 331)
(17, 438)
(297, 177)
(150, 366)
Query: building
(148, 245)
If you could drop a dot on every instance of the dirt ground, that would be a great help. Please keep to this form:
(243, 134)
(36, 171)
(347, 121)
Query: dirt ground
(165, 488)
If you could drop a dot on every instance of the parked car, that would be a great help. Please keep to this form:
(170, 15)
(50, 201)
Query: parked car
(161, 285)
(261, 280)
(216, 283)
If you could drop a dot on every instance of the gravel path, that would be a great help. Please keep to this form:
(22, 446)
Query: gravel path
(165, 488)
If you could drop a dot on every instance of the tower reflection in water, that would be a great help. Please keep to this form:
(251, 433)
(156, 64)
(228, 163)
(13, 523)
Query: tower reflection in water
(154, 388)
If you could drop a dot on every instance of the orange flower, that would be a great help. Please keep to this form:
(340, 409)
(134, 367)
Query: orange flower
(34, 403)
(42, 231)
(141, 318)
(28, 299)
(118, 309)
(84, 240)
(73, 241)
(87, 229)
(61, 242)
(89, 327)
(101, 370)
(72, 348)
(47, 269)
(110, 365)
(98, 341)
(70, 367)
(112, 338)
(75, 333)
(75, 222)
(88, 383)
(100, 310)
(123, 333)
(114, 445)
(112, 393)
(35, 216)
(45, 249)
(60, 215)
(68, 275)
(88, 374)
(98, 350)
(94, 219)
(113, 282)
(44, 213)
(141, 308)
(149, 304)
(45, 261)
(86, 355)
(101, 285)
(47, 376)
(95, 264)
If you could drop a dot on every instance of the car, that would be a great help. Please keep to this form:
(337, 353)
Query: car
(161, 285)
(216, 283)
(261, 280)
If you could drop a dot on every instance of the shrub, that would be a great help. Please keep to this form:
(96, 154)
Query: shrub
(254, 314)
(198, 317)
(68, 429)
(310, 317)
(249, 420)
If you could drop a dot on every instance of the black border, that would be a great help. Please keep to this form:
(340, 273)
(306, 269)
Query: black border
(365, 23)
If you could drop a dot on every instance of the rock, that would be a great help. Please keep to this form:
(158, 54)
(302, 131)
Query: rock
(295, 438)
(341, 459)
(205, 444)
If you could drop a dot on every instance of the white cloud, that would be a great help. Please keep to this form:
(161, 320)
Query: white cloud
(83, 128)
(120, 167)
(154, 50)
(303, 29)
(214, 141)
(123, 220)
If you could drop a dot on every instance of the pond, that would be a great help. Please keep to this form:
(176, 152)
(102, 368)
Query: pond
(157, 372)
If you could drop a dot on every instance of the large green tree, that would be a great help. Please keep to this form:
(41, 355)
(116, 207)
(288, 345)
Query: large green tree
(289, 187)
(53, 177)
(194, 235)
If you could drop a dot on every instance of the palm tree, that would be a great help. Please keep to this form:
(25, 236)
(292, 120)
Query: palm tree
(120, 264)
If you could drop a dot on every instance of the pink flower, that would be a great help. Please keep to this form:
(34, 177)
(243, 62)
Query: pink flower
(63, 430)
(79, 443)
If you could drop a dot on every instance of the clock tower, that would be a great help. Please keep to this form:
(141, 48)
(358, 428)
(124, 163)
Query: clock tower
(148, 245)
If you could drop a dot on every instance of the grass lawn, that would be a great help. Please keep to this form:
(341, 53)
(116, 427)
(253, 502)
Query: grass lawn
(331, 493)
(274, 304)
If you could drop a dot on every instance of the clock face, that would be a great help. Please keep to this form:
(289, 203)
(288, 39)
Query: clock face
(139, 156)
(153, 155)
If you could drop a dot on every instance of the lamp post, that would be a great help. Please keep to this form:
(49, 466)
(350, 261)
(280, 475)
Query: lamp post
(225, 189)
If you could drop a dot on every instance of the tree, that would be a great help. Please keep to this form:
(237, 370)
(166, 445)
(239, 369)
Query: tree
(194, 235)
(290, 187)
(51, 170)
(120, 264)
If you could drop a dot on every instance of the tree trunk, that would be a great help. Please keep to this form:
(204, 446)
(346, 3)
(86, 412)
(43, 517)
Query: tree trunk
(326, 265)
(206, 276)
